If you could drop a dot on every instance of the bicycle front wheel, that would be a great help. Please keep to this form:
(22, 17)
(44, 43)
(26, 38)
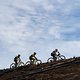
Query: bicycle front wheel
(61, 57)
(38, 62)
(28, 63)
(21, 64)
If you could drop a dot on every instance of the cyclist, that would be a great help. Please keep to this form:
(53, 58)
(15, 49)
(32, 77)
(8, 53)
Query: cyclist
(54, 54)
(17, 60)
(32, 57)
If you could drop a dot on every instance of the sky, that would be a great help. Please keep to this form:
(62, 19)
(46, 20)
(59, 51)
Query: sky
(40, 26)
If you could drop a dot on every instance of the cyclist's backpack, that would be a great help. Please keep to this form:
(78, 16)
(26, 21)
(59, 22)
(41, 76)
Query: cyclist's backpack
(15, 58)
(52, 54)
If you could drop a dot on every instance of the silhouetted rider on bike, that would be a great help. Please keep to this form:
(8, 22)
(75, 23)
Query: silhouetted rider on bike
(32, 57)
(17, 60)
(54, 54)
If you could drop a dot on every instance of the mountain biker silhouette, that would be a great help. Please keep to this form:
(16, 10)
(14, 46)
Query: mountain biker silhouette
(17, 59)
(32, 57)
(54, 54)
(33, 60)
(17, 62)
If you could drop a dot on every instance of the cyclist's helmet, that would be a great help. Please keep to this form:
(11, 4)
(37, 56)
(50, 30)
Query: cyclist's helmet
(56, 49)
(34, 53)
(19, 55)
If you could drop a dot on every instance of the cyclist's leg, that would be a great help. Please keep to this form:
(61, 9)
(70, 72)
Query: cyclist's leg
(16, 64)
(31, 60)
(55, 58)
(34, 61)
(52, 58)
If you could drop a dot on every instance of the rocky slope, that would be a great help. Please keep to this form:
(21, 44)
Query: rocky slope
(68, 69)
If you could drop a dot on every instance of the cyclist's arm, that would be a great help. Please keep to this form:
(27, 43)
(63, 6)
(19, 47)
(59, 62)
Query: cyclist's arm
(19, 60)
(58, 53)
(36, 58)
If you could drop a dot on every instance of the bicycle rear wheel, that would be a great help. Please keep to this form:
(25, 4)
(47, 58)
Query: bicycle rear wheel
(50, 59)
(12, 65)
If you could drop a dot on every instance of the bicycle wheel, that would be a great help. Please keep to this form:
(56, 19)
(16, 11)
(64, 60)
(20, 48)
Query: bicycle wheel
(61, 57)
(28, 63)
(38, 62)
(50, 59)
(12, 65)
(20, 64)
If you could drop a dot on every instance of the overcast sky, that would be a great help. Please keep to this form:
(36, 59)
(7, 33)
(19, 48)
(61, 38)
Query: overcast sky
(38, 25)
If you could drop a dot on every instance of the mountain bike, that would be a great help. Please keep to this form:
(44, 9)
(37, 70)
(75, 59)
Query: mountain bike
(13, 65)
(36, 62)
(59, 57)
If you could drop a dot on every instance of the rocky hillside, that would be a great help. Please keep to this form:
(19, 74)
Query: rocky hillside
(68, 69)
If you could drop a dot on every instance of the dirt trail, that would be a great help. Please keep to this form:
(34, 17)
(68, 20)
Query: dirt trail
(68, 69)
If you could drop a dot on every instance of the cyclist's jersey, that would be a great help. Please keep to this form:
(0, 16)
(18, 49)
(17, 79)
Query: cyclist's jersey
(16, 58)
(55, 53)
(32, 56)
